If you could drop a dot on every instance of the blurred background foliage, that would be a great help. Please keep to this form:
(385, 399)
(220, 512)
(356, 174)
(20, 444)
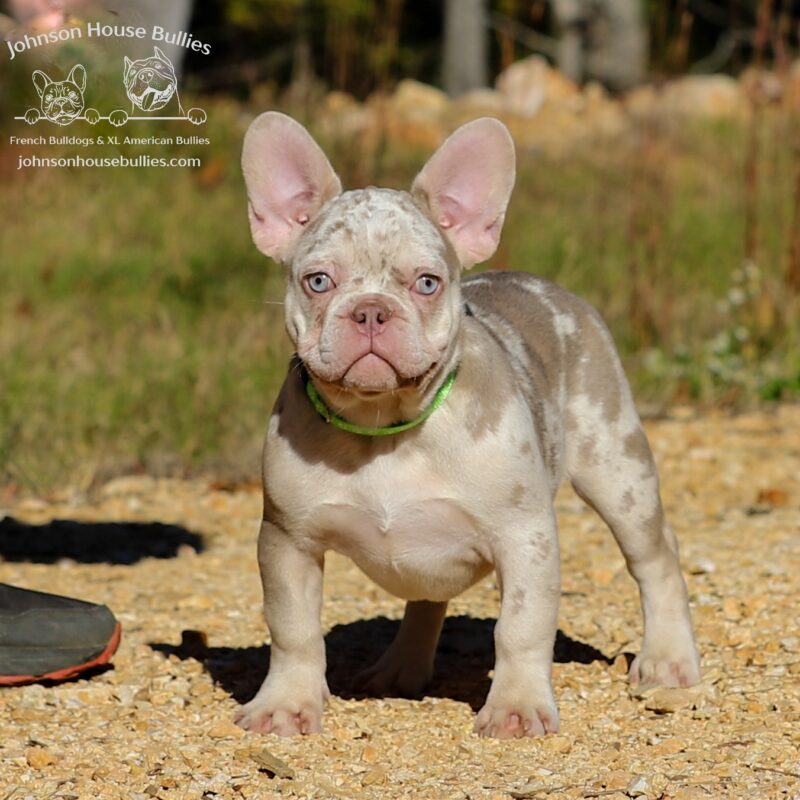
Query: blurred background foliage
(140, 330)
(360, 46)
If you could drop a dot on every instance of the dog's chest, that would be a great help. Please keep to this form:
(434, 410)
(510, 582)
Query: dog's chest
(404, 527)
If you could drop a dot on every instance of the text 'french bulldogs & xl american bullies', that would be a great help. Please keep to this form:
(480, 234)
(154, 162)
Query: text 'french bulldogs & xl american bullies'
(426, 423)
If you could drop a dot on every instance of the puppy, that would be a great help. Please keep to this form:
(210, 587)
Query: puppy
(425, 425)
(60, 101)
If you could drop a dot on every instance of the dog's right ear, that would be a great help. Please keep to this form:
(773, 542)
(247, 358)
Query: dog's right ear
(40, 81)
(128, 65)
(288, 181)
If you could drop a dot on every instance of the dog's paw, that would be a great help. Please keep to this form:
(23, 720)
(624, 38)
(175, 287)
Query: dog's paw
(262, 717)
(283, 710)
(196, 116)
(32, 116)
(92, 116)
(516, 720)
(118, 117)
(664, 666)
(394, 677)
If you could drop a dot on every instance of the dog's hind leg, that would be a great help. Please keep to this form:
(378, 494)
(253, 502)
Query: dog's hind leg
(611, 466)
(407, 665)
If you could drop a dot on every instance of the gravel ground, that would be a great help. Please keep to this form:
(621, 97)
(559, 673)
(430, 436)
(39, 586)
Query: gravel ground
(176, 562)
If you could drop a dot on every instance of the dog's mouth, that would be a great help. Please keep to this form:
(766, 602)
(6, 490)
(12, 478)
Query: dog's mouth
(153, 99)
(372, 375)
(62, 116)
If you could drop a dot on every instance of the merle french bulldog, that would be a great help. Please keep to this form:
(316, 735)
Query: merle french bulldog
(426, 424)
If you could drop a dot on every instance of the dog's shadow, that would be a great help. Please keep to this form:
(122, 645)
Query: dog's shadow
(93, 542)
(463, 659)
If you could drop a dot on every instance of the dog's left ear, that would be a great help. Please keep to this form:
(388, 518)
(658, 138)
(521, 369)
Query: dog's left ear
(466, 186)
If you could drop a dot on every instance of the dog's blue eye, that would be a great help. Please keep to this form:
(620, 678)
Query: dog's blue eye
(319, 282)
(427, 284)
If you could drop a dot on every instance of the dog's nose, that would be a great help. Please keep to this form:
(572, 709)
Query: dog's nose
(370, 317)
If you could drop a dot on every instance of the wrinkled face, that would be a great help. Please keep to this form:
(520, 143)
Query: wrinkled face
(373, 298)
(150, 83)
(62, 102)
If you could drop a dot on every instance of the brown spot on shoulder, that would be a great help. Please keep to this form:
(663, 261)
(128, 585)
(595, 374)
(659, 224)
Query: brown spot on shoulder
(483, 375)
(526, 449)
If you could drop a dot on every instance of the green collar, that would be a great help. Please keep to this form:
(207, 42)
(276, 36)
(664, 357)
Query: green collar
(388, 430)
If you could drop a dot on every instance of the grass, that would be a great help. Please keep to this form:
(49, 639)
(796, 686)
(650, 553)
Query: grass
(141, 330)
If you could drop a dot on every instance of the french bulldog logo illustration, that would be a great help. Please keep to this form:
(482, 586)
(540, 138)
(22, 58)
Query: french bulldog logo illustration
(61, 102)
(151, 85)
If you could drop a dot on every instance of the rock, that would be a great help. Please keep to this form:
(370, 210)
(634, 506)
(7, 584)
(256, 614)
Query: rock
(478, 103)
(666, 700)
(670, 746)
(616, 779)
(701, 566)
(777, 498)
(370, 755)
(620, 666)
(642, 102)
(647, 786)
(271, 764)
(374, 776)
(418, 102)
(705, 96)
(225, 729)
(414, 114)
(343, 116)
(531, 82)
(39, 757)
(732, 609)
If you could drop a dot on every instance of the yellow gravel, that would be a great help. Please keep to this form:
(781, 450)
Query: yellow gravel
(175, 560)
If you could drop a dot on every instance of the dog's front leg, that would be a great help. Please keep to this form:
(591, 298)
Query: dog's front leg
(293, 695)
(520, 701)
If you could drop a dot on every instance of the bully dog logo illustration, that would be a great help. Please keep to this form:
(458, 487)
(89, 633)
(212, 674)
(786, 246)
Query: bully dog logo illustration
(61, 102)
(151, 85)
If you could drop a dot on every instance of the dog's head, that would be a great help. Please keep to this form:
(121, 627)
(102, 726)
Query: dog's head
(373, 301)
(61, 101)
(150, 82)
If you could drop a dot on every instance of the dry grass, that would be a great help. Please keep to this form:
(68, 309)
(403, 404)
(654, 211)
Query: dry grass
(139, 328)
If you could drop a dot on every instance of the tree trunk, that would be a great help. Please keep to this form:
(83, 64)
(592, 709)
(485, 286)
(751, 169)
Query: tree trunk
(466, 52)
